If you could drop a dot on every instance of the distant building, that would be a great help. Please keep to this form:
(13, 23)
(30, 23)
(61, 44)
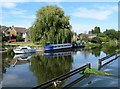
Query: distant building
(91, 35)
(14, 31)
(87, 36)
(74, 38)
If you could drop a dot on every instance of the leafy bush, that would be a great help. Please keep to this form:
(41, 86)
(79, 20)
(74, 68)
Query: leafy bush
(94, 71)
(96, 40)
(19, 38)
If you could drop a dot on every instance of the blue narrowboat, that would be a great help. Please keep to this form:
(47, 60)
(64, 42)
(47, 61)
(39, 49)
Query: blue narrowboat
(53, 47)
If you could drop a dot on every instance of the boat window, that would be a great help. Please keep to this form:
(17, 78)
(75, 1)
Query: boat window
(24, 48)
(54, 47)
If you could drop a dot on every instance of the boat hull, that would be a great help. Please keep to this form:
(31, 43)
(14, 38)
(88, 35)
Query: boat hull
(59, 50)
(57, 47)
(24, 51)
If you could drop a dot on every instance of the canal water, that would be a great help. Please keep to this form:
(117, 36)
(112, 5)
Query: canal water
(30, 70)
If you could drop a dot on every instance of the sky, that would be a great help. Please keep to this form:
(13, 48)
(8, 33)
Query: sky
(84, 16)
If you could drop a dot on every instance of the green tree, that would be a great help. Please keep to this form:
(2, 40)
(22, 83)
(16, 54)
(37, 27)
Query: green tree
(96, 40)
(96, 30)
(19, 38)
(111, 33)
(118, 35)
(51, 25)
(103, 37)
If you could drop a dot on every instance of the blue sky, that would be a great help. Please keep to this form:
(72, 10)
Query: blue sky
(84, 16)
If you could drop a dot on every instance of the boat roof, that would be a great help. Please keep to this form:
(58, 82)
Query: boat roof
(58, 44)
(23, 47)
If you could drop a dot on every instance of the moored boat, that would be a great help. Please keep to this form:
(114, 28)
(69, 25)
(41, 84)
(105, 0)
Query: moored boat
(24, 49)
(78, 45)
(53, 47)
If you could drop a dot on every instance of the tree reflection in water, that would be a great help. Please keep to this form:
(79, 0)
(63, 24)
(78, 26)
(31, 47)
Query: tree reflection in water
(106, 49)
(110, 49)
(96, 51)
(45, 68)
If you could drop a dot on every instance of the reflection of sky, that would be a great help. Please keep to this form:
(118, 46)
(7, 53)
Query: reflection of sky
(80, 59)
(101, 80)
(19, 76)
(98, 81)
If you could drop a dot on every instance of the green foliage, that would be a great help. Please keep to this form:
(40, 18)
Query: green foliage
(92, 46)
(94, 71)
(96, 40)
(10, 51)
(19, 38)
(51, 26)
(5, 38)
(102, 35)
(112, 34)
(118, 50)
(96, 30)
(110, 47)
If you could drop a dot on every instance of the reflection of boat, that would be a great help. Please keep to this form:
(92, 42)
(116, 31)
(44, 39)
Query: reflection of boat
(25, 49)
(23, 56)
(53, 47)
(58, 54)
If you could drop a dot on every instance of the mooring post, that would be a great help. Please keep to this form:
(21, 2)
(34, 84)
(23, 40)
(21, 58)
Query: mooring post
(99, 62)
(88, 65)
(116, 55)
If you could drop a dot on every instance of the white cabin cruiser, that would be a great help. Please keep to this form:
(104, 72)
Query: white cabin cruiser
(24, 49)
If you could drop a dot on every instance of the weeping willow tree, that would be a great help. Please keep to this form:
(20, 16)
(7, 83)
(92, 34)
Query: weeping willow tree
(51, 26)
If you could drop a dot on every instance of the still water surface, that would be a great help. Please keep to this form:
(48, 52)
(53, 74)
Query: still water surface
(41, 67)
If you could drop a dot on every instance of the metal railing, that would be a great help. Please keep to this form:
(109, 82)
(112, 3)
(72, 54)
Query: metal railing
(100, 61)
(62, 77)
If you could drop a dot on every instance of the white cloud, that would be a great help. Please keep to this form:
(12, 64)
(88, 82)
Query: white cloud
(108, 7)
(17, 11)
(98, 13)
(48, 0)
(28, 17)
(81, 28)
(0, 11)
(32, 0)
(8, 5)
(20, 23)
(85, 28)
(16, 1)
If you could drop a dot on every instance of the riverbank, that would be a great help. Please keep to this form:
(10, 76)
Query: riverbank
(22, 44)
(7, 46)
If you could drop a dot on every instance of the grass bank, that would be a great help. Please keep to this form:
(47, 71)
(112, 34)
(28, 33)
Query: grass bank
(90, 45)
(23, 44)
